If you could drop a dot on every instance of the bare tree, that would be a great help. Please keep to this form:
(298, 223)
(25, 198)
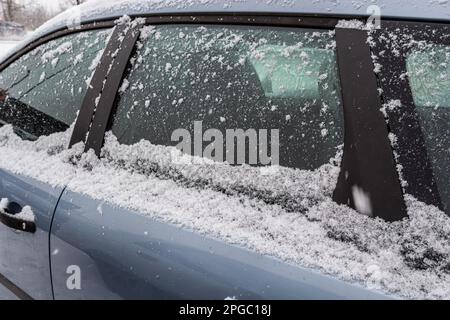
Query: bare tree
(76, 2)
(33, 17)
(32, 14)
(10, 9)
(66, 4)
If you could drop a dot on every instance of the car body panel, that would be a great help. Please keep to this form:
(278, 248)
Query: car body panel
(122, 254)
(24, 257)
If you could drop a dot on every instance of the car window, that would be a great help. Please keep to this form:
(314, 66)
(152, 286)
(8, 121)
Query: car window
(224, 78)
(42, 91)
(428, 67)
(415, 78)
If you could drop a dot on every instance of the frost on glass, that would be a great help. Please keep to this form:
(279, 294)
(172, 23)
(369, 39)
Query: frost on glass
(42, 91)
(235, 77)
(428, 68)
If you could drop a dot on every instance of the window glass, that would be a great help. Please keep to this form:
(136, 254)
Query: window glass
(428, 66)
(249, 78)
(42, 91)
(414, 64)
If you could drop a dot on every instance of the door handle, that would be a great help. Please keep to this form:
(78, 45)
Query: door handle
(15, 217)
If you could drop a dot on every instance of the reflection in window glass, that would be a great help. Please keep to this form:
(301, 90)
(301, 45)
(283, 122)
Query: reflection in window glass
(235, 77)
(43, 90)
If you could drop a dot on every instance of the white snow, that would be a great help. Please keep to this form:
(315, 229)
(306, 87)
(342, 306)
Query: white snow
(362, 201)
(284, 213)
(51, 55)
(351, 24)
(125, 84)
(26, 214)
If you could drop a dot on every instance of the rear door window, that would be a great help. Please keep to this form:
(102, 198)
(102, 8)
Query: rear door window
(222, 78)
(42, 91)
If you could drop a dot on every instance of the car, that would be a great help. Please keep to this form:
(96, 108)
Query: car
(252, 150)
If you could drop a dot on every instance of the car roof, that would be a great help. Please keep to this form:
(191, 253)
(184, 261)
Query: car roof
(109, 9)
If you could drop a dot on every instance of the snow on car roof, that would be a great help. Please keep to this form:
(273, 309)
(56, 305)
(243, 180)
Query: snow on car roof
(109, 9)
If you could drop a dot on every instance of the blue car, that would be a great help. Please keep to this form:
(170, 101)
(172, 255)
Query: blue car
(249, 150)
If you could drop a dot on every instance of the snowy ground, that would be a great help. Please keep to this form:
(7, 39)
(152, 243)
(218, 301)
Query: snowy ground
(5, 46)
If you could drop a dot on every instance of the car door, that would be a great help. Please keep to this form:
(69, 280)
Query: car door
(145, 221)
(41, 95)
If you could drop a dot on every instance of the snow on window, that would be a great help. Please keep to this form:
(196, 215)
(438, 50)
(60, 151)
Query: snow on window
(417, 91)
(362, 201)
(429, 72)
(286, 213)
(57, 69)
(52, 54)
(235, 77)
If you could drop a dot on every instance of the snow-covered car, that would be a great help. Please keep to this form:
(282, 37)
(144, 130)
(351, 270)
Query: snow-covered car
(253, 150)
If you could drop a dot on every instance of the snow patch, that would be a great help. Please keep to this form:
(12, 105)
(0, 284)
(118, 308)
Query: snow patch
(362, 201)
(26, 214)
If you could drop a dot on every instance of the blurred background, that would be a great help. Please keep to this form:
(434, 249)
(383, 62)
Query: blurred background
(20, 17)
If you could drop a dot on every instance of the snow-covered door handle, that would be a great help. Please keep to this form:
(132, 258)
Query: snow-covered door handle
(15, 217)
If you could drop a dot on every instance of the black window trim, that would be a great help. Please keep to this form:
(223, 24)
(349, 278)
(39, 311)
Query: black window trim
(368, 161)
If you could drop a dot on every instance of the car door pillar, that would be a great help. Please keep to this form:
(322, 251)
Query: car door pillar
(369, 181)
